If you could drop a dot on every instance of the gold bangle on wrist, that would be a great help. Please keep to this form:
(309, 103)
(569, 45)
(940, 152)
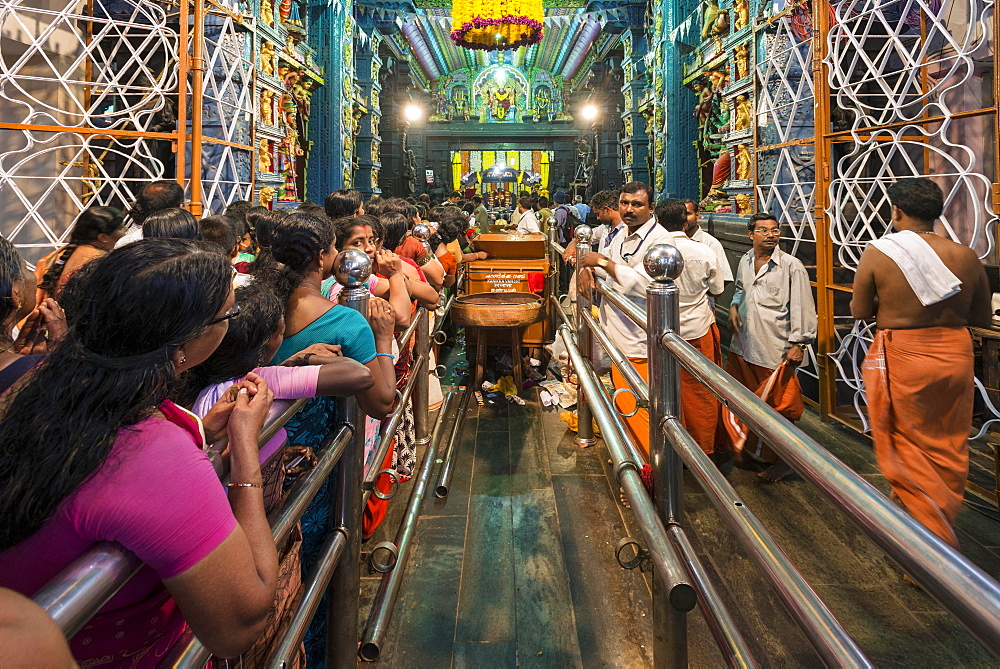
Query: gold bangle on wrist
(244, 485)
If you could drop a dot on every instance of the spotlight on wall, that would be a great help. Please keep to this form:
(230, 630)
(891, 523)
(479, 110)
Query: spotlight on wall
(589, 112)
(413, 112)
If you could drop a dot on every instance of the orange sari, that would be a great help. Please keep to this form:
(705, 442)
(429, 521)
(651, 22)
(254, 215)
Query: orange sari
(784, 396)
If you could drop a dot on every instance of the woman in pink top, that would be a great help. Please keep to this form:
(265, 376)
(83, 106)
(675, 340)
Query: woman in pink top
(91, 450)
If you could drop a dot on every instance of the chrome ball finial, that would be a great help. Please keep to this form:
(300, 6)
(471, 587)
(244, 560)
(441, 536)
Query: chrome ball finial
(663, 261)
(551, 222)
(421, 232)
(583, 234)
(352, 268)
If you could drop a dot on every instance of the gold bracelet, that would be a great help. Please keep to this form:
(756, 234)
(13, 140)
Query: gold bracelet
(244, 485)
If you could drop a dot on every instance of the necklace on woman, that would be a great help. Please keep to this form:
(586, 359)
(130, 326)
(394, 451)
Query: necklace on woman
(925, 232)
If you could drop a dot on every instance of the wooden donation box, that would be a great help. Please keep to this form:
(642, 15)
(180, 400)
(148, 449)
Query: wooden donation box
(517, 264)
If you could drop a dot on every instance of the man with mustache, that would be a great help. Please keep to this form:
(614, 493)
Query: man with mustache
(620, 262)
(773, 321)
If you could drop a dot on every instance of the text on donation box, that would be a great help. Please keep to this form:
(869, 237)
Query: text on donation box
(506, 282)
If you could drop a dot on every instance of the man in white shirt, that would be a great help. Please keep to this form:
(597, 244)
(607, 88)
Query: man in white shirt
(152, 198)
(700, 280)
(773, 321)
(697, 233)
(605, 207)
(525, 219)
(620, 262)
(581, 207)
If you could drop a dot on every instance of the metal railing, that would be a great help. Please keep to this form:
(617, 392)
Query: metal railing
(75, 595)
(955, 582)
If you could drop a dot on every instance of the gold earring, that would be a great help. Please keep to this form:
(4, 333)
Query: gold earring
(183, 359)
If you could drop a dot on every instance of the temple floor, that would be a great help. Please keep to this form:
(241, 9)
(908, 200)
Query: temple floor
(517, 568)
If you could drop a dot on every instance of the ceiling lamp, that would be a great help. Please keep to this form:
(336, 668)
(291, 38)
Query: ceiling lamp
(490, 25)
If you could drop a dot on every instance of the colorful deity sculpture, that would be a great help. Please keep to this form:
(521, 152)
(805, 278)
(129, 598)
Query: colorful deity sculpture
(741, 58)
(502, 100)
(265, 196)
(288, 153)
(741, 14)
(267, 12)
(288, 13)
(741, 113)
(265, 162)
(267, 107)
(744, 162)
(742, 203)
(543, 103)
(267, 58)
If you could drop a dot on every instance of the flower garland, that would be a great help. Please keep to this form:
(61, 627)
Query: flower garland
(496, 33)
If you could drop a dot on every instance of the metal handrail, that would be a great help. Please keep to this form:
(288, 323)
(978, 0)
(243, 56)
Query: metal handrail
(727, 635)
(385, 598)
(287, 650)
(626, 306)
(632, 377)
(389, 432)
(563, 316)
(190, 653)
(824, 631)
(949, 577)
(79, 591)
(669, 568)
(404, 339)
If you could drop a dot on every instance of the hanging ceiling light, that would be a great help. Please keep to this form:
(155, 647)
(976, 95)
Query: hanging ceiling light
(489, 25)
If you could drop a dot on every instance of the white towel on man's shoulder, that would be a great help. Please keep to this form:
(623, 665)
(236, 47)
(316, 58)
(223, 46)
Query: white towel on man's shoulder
(928, 276)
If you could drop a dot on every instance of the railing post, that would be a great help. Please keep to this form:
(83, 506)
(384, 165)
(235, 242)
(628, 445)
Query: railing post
(585, 421)
(664, 263)
(352, 269)
(555, 260)
(421, 420)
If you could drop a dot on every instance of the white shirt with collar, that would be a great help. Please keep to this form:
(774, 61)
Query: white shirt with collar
(700, 278)
(527, 223)
(133, 234)
(626, 251)
(776, 306)
(716, 246)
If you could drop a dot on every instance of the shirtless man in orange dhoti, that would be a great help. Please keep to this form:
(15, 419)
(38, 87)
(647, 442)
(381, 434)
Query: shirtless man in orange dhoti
(923, 290)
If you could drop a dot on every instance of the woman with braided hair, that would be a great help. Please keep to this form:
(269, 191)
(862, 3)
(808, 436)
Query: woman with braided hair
(95, 232)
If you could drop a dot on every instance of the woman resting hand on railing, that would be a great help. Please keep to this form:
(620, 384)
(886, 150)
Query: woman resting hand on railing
(250, 344)
(394, 278)
(92, 450)
(302, 255)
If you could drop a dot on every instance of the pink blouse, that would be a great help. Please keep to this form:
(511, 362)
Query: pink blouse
(157, 495)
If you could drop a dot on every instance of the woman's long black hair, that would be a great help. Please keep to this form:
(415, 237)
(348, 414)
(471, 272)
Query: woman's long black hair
(126, 314)
(11, 274)
(296, 241)
(262, 224)
(89, 226)
(171, 223)
(396, 226)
